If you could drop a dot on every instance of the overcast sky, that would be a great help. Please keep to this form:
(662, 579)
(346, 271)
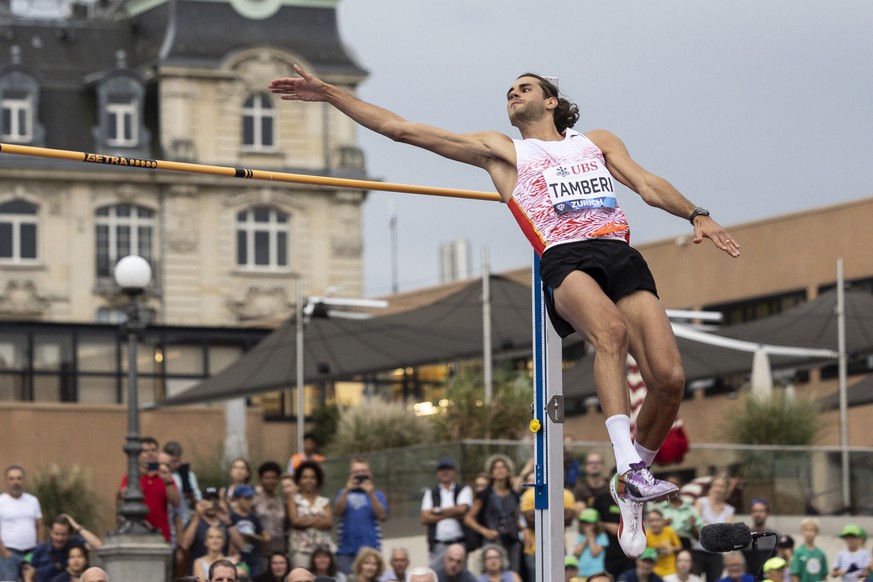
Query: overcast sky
(751, 108)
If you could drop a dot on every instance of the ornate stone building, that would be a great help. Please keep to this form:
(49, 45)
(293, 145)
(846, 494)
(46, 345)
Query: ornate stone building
(181, 80)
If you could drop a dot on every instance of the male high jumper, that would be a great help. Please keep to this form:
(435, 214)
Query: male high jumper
(559, 185)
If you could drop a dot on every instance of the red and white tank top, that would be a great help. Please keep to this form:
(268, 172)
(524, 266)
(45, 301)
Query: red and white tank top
(565, 193)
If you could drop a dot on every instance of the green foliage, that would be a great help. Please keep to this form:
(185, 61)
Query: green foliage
(325, 420)
(467, 416)
(65, 491)
(377, 425)
(775, 421)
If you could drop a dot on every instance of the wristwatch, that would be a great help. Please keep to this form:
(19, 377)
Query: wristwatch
(699, 211)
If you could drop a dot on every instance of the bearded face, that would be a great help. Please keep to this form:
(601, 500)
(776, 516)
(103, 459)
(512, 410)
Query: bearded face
(522, 112)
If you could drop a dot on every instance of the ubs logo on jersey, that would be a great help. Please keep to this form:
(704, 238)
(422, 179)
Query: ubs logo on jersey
(585, 167)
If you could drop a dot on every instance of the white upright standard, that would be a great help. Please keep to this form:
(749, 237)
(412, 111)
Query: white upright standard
(548, 426)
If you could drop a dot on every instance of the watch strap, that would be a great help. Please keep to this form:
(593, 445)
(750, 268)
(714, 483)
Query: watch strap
(699, 211)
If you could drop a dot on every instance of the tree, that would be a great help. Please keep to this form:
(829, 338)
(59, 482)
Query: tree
(66, 491)
(777, 420)
(467, 416)
(375, 425)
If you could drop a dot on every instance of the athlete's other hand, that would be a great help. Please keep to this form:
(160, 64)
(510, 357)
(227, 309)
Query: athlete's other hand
(706, 227)
(306, 87)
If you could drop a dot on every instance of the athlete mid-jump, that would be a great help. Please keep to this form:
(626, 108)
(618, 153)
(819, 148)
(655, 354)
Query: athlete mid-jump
(560, 186)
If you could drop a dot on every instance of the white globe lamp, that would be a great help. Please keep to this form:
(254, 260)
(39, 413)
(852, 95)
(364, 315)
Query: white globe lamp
(133, 273)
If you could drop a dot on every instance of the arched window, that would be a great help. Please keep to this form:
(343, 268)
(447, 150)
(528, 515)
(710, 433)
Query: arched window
(258, 119)
(18, 232)
(121, 230)
(262, 238)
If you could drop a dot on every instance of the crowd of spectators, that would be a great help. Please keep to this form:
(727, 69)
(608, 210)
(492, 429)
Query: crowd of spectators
(284, 528)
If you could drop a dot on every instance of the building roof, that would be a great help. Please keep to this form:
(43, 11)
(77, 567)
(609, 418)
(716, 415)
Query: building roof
(451, 328)
(858, 394)
(67, 54)
(205, 33)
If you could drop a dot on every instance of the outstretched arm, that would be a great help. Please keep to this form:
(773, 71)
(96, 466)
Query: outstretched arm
(483, 149)
(658, 192)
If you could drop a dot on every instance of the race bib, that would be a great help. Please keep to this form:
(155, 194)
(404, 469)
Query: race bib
(578, 187)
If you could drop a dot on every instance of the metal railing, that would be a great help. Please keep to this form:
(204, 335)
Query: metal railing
(794, 480)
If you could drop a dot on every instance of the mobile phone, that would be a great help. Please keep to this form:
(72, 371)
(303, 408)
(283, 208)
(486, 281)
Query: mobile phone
(154, 466)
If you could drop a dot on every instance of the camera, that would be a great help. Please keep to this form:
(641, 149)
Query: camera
(153, 466)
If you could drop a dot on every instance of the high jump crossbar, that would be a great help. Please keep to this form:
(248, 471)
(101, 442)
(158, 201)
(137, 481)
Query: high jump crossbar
(547, 420)
(227, 171)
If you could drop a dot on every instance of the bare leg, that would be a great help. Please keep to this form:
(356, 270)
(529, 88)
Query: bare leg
(581, 302)
(595, 317)
(652, 344)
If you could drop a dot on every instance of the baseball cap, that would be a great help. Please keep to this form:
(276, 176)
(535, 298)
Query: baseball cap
(785, 541)
(243, 491)
(649, 554)
(210, 493)
(571, 562)
(776, 563)
(589, 515)
(445, 463)
(852, 530)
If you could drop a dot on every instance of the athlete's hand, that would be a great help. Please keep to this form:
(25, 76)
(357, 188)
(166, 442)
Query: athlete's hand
(306, 87)
(706, 227)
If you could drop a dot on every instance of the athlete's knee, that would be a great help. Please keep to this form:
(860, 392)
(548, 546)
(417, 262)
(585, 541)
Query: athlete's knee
(671, 385)
(611, 337)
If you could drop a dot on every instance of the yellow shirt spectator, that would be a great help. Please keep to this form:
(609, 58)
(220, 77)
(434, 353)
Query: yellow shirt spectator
(664, 540)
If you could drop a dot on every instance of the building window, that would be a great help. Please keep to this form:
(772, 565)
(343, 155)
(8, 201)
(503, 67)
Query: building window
(121, 129)
(17, 116)
(757, 308)
(122, 230)
(262, 238)
(18, 228)
(258, 118)
(121, 121)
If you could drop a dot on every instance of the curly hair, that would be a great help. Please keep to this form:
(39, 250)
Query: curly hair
(566, 114)
(504, 559)
(315, 466)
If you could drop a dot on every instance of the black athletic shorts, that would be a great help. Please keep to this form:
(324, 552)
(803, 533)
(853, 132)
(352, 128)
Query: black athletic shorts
(617, 267)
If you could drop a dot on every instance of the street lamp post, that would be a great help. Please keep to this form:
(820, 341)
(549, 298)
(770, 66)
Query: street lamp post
(300, 323)
(133, 274)
(307, 308)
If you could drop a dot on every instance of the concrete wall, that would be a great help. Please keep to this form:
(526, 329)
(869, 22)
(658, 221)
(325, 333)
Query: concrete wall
(704, 419)
(37, 436)
(785, 253)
